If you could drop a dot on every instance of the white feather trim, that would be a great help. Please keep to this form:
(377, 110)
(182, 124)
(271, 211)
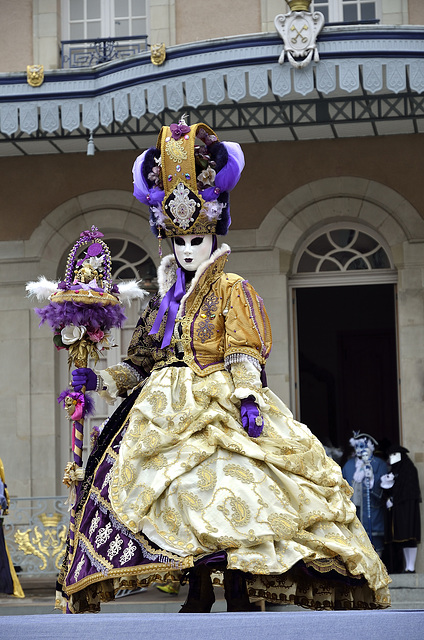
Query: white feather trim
(42, 289)
(167, 271)
(129, 291)
(167, 274)
(220, 251)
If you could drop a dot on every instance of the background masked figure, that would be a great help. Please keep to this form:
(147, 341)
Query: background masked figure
(363, 473)
(9, 582)
(403, 530)
(202, 469)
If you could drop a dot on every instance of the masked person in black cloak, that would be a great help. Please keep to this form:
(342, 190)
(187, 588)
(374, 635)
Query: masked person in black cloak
(402, 488)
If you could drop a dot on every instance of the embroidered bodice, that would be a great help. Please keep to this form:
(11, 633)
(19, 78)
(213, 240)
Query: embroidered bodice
(221, 321)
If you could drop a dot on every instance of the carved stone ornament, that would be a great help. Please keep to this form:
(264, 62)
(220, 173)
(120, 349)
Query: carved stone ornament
(35, 75)
(299, 31)
(158, 54)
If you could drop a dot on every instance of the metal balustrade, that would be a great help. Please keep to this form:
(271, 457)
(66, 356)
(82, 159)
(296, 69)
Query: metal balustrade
(35, 531)
(77, 54)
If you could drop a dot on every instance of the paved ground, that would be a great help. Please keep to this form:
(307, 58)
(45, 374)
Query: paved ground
(407, 592)
(40, 597)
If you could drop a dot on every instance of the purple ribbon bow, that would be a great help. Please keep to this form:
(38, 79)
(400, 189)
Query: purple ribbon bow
(170, 303)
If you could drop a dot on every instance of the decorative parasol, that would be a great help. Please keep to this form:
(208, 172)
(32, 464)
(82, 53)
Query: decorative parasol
(82, 310)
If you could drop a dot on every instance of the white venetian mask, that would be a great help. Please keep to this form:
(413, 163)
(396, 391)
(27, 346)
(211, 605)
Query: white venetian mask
(395, 457)
(364, 448)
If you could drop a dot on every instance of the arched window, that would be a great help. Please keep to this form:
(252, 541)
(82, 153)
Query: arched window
(130, 261)
(343, 249)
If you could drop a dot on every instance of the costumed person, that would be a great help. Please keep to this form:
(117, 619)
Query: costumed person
(363, 472)
(402, 487)
(202, 471)
(9, 582)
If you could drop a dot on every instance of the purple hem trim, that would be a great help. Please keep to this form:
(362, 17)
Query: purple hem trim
(262, 310)
(103, 570)
(154, 557)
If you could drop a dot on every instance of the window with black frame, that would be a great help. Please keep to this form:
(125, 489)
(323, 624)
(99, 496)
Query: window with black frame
(348, 11)
(94, 31)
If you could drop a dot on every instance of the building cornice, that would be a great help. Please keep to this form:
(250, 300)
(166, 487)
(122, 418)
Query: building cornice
(213, 72)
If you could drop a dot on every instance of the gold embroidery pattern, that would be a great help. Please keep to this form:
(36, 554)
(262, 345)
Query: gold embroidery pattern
(154, 462)
(173, 519)
(146, 497)
(190, 500)
(205, 328)
(241, 512)
(128, 475)
(158, 401)
(239, 472)
(175, 150)
(206, 478)
(282, 527)
(178, 400)
(137, 428)
(123, 378)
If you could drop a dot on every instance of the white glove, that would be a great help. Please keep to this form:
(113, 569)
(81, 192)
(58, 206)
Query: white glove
(387, 481)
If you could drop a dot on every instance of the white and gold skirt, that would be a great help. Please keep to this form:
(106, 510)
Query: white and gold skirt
(186, 481)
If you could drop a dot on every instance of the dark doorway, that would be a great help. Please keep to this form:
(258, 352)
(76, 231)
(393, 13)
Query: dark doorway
(347, 362)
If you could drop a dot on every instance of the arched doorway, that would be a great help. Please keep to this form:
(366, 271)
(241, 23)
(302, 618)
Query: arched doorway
(343, 292)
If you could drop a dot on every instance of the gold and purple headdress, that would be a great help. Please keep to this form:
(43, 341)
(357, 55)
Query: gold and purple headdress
(186, 180)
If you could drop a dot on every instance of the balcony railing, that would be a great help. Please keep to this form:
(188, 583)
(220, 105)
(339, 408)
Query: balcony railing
(77, 54)
(35, 531)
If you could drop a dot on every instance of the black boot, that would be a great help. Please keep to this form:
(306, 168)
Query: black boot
(200, 591)
(235, 590)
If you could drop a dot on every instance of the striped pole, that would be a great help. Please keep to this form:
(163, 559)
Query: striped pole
(77, 446)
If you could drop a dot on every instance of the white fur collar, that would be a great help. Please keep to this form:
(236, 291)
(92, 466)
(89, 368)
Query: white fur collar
(167, 271)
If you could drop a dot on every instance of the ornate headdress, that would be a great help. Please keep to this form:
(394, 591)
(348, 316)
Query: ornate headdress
(358, 435)
(186, 183)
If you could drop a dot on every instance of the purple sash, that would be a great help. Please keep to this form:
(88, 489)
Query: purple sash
(170, 303)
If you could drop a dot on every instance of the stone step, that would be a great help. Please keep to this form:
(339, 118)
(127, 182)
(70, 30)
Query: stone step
(407, 590)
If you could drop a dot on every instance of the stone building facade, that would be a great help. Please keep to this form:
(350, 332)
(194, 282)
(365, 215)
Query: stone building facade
(328, 218)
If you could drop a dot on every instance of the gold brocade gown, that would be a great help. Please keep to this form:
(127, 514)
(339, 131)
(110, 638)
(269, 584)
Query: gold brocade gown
(179, 479)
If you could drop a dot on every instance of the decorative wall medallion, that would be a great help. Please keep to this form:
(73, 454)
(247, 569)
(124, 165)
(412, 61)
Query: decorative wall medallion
(299, 30)
(158, 53)
(35, 74)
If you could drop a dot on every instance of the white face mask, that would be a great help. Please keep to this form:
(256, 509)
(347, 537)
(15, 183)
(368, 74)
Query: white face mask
(395, 457)
(191, 251)
(364, 448)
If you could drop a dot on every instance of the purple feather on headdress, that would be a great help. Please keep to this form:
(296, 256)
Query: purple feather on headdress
(227, 178)
(152, 196)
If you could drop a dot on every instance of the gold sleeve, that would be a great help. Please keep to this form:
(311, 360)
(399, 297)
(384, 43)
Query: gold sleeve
(247, 382)
(117, 380)
(142, 345)
(247, 326)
